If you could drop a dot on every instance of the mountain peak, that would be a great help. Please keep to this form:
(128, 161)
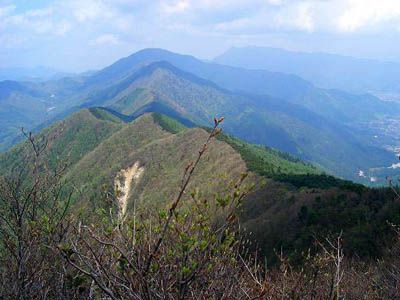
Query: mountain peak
(165, 65)
(155, 54)
(127, 65)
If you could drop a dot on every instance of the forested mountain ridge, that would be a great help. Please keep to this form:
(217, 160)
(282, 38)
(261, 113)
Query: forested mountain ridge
(257, 119)
(274, 109)
(97, 144)
(117, 177)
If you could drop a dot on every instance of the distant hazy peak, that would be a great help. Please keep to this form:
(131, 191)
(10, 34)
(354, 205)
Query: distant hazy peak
(322, 69)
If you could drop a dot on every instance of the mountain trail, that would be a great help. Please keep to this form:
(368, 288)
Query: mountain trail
(123, 183)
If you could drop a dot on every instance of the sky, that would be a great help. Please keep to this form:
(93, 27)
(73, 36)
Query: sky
(79, 35)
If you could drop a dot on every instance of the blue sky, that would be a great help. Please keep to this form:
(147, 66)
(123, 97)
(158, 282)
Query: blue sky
(77, 35)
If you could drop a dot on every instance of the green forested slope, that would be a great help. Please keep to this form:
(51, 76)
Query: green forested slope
(262, 120)
(67, 141)
(291, 205)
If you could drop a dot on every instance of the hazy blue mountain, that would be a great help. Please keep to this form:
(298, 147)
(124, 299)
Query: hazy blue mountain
(330, 103)
(33, 74)
(275, 109)
(29, 104)
(235, 79)
(322, 69)
(21, 105)
(265, 120)
(365, 115)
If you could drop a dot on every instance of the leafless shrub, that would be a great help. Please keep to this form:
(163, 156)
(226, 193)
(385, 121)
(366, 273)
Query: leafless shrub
(32, 223)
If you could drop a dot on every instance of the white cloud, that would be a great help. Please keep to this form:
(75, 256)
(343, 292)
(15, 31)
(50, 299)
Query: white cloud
(10, 41)
(299, 16)
(62, 28)
(394, 166)
(39, 13)
(175, 7)
(188, 25)
(6, 10)
(90, 10)
(39, 21)
(105, 39)
(275, 2)
(359, 14)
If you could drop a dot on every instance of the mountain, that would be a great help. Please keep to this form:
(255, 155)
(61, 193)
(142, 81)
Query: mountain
(235, 79)
(258, 119)
(96, 143)
(365, 115)
(30, 104)
(292, 88)
(328, 127)
(31, 74)
(21, 105)
(145, 156)
(322, 69)
(34, 105)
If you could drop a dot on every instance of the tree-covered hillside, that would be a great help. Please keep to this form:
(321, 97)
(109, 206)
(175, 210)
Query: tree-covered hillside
(102, 195)
(96, 144)
(292, 201)
(257, 119)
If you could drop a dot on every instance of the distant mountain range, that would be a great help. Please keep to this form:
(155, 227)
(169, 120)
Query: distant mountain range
(322, 69)
(31, 74)
(280, 110)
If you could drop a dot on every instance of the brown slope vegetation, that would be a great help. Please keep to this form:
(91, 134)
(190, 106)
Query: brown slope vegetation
(66, 141)
(162, 155)
(281, 215)
(278, 123)
(286, 213)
